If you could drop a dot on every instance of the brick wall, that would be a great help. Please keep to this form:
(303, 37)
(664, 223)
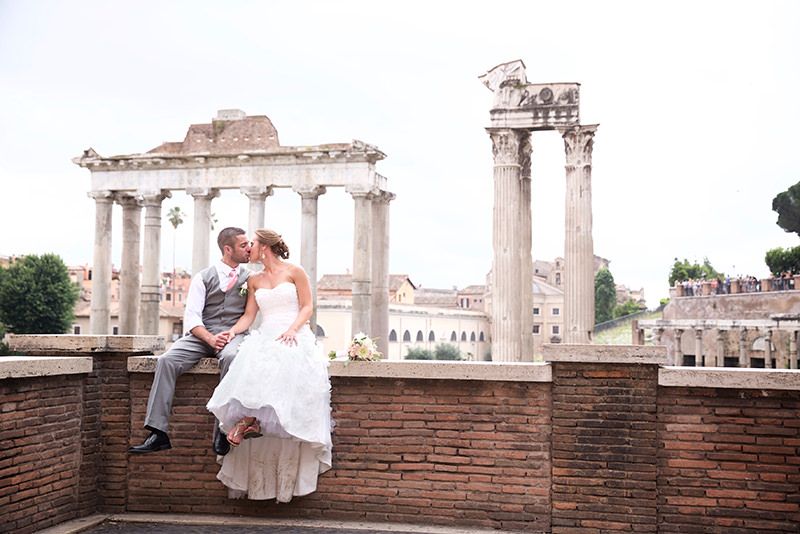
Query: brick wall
(426, 451)
(40, 451)
(604, 448)
(729, 460)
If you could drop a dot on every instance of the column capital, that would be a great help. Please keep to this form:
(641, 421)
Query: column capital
(385, 197)
(257, 192)
(202, 192)
(102, 196)
(578, 143)
(154, 198)
(355, 193)
(310, 192)
(698, 332)
(511, 146)
(128, 200)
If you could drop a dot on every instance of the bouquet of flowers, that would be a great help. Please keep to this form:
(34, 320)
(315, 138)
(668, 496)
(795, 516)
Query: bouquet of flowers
(362, 348)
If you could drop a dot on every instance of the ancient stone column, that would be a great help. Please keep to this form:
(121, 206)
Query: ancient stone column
(508, 148)
(657, 333)
(578, 246)
(698, 347)
(362, 233)
(768, 350)
(257, 195)
(202, 226)
(148, 310)
(793, 347)
(308, 240)
(100, 315)
(129, 274)
(743, 348)
(526, 260)
(678, 356)
(380, 270)
(720, 360)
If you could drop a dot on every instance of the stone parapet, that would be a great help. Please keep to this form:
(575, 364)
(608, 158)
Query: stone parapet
(729, 378)
(32, 366)
(67, 344)
(504, 372)
(644, 354)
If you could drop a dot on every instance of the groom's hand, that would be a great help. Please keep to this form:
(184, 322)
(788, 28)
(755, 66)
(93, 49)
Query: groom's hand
(220, 340)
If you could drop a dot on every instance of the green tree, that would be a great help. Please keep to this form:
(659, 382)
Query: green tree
(683, 270)
(446, 351)
(627, 308)
(605, 296)
(780, 260)
(419, 354)
(787, 206)
(37, 296)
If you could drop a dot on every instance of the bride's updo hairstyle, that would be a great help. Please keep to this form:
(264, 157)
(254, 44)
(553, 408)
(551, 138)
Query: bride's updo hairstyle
(274, 241)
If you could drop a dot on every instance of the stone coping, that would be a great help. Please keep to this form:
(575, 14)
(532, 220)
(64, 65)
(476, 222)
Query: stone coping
(646, 354)
(726, 377)
(33, 366)
(506, 372)
(59, 344)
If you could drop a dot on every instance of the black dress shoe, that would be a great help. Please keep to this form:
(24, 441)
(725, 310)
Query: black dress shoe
(157, 441)
(221, 445)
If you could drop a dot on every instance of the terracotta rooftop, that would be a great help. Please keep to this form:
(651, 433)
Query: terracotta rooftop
(344, 282)
(443, 298)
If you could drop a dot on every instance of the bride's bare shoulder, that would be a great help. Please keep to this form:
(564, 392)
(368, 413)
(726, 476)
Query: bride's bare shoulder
(256, 279)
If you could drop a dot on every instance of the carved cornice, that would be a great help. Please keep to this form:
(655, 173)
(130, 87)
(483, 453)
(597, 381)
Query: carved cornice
(578, 143)
(511, 147)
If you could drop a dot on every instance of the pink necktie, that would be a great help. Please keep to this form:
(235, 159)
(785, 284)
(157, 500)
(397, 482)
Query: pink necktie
(231, 281)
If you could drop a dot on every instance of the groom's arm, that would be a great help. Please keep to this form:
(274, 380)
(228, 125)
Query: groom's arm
(193, 315)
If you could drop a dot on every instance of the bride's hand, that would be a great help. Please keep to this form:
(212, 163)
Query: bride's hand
(289, 337)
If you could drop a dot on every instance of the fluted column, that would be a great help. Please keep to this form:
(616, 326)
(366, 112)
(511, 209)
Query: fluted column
(578, 246)
(148, 310)
(100, 316)
(526, 260)
(257, 196)
(202, 226)
(698, 348)
(308, 240)
(743, 348)
(380, 270)
(362, 232)
(678, 356)
(508, 148)
(129, 274)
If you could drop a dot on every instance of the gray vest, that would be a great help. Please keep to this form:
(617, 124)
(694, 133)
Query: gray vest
(222, 309)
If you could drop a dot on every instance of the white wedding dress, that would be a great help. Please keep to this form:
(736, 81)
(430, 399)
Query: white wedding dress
(288, 390)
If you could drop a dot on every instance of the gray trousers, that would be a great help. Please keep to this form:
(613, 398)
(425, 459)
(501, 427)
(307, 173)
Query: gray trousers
(183, 354)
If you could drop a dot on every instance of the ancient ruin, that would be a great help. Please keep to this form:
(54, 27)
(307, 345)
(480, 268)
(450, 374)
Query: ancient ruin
(520, 108)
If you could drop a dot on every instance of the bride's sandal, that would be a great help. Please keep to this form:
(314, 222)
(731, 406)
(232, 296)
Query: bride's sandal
(236, 434)
(253, 430)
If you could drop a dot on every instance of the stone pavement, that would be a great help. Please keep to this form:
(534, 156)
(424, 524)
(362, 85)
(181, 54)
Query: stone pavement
(112, 527)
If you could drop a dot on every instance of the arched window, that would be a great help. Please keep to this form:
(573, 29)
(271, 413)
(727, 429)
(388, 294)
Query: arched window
(481, 338)
(454, 336)
(431, 336)
(392, 336)
(463, 336)
(472, 337)
(420, 337)
(320, 331)
(407, 336)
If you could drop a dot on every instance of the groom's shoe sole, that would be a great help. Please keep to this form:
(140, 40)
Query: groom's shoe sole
(145, 450)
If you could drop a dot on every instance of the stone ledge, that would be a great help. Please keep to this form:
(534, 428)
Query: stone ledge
(642, 354)
(33, 366)
(505, 372)
(60, 344)
(724, 377)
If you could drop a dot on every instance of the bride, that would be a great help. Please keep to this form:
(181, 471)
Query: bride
(277, 388)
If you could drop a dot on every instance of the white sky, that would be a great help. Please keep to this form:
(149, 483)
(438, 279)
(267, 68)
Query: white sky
(697, 104)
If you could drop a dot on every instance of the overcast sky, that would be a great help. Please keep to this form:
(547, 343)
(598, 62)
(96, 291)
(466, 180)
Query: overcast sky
(697, 104)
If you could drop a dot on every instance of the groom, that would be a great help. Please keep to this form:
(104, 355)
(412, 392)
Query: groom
(213, 305)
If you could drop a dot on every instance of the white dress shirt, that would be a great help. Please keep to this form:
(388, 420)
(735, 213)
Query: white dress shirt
(196, 298)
